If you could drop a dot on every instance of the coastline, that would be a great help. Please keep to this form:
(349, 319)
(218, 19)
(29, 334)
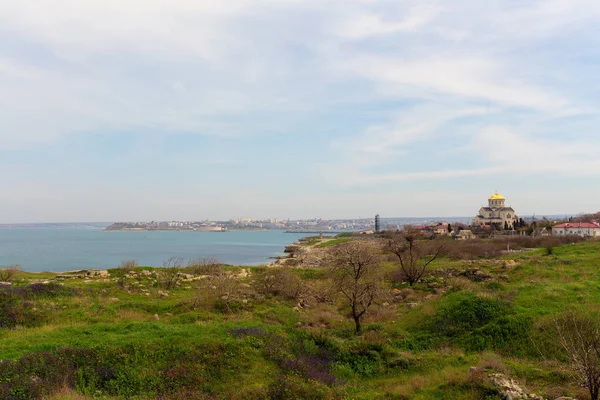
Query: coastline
(75, 249)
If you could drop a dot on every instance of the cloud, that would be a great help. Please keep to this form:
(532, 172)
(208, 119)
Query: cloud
(499, 151)
(367, 24)
(469, 77)
(374, 92)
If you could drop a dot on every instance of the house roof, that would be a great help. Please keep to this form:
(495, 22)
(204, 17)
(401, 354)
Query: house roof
(577, 225)
(439, 227)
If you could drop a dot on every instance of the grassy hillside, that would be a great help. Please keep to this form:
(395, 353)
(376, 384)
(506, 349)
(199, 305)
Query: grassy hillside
(262, 333)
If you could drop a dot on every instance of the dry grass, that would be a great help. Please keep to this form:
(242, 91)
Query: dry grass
(66, 393)
(323, 316)
(493, 362)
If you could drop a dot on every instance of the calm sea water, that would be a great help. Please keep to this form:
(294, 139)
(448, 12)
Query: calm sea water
(67, 249)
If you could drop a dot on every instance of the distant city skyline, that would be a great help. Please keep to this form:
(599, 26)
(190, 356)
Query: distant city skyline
(194, 109)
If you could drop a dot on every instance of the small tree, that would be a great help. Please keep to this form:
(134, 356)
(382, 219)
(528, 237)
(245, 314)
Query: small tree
(281, 281)
(169, 276)
(220, 289)
(579, 336)
(127, 265)
(8, 273)
(412, 254)
(205, 266)
(356, 274)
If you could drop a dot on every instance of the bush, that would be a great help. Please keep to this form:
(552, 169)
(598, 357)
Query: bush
(479, 323)
(126, 266)
(16, 308)
(493, 248)
(280, 281)
(500, 333)
(289, 387)
(40, 374)
(205, 266)
(8, 273)
(365, 359)
(464, 312)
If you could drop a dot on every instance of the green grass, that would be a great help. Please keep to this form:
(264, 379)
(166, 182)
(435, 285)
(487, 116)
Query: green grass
(333, 242)
(420, 353)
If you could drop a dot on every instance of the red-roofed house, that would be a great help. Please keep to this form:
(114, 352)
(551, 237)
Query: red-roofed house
(584, 229)
(441, 230)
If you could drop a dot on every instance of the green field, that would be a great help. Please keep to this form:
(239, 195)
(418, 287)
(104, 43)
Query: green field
(221, 334)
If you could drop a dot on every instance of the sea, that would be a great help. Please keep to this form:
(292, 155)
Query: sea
(65, 249)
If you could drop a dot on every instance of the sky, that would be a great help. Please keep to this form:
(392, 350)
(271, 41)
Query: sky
(192, 109)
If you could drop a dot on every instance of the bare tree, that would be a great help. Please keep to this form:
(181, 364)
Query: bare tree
(173, 262)
(356, 273)
(281, 281)
(413, 256)
(169, 277)
(579, 335)
(128, 265)
(220, 288)
(8, 273)
(205, 266)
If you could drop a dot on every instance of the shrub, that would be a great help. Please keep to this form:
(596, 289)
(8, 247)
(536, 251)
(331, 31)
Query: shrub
(38, 374)
(126, 266)
(474, 249)
(365, 359)
(289, 387)
(479, 323)
(8, 311)
(8, 273)
(205, 266)
(500, 333)
(16, 308)
(464, 312)
(281, 281)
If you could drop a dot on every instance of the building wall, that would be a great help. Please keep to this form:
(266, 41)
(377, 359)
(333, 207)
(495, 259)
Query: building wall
(499, 216)
(584, 232)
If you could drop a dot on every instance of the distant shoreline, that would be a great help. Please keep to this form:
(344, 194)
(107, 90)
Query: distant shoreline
(186, 230)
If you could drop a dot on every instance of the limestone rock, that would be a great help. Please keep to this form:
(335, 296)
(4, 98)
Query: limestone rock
(509, 389)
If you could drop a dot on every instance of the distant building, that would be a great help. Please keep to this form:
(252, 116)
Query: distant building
(496, 213)
(441, 230)
(583, 229)
(465, 234)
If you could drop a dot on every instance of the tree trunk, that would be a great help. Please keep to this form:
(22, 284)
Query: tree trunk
(358, 326)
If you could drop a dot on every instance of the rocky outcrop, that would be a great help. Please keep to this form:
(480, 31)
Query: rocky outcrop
(476, 275)
(90, 273)
(500, 263)
(509, 389)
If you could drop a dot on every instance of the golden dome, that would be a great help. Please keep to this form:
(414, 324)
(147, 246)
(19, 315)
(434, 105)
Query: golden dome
(497, 196)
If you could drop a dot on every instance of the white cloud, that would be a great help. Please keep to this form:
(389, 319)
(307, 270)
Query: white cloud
(469, 77)
(366, 24)
(406, 75)
(498, 151)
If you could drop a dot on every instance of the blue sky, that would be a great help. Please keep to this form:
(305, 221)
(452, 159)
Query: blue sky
(193, 109)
